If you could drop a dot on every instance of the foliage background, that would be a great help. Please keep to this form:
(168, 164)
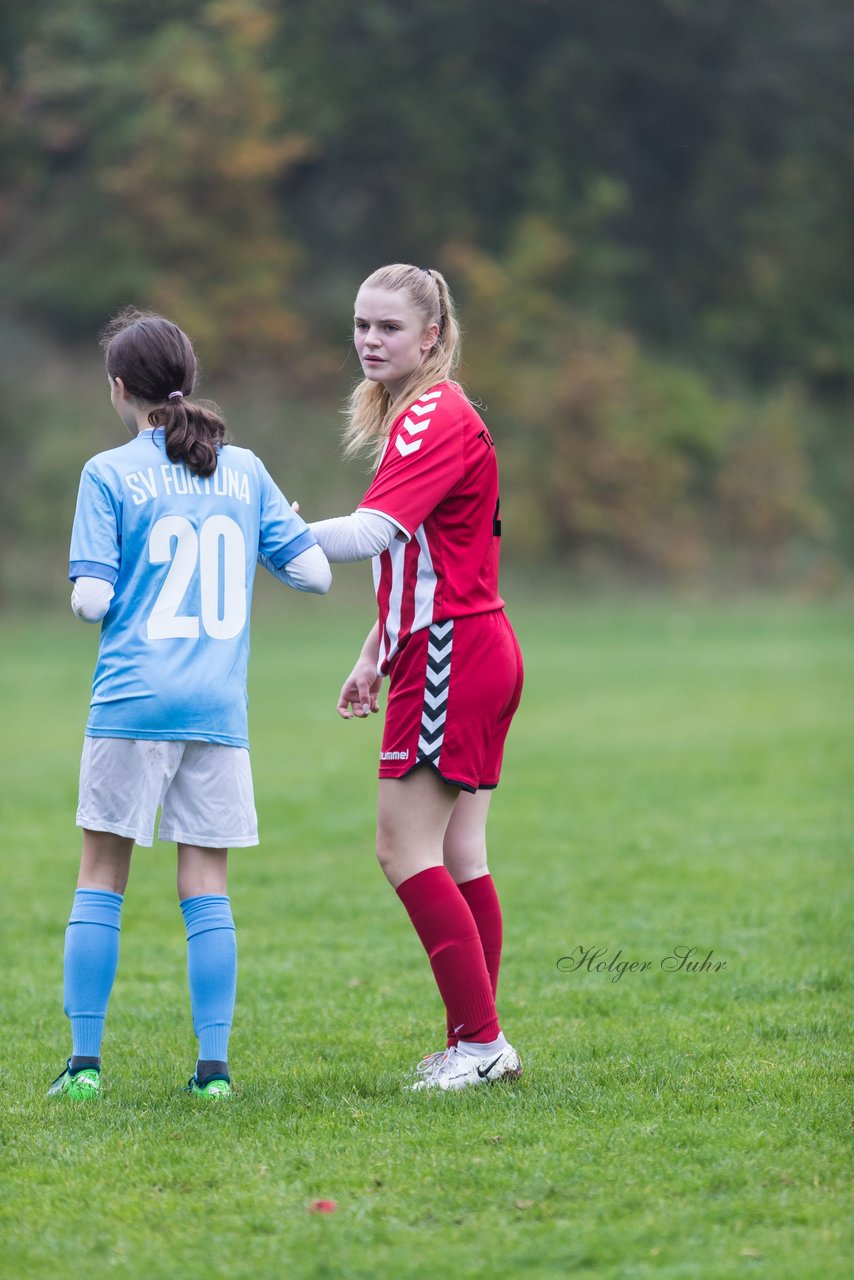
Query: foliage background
(644, 212)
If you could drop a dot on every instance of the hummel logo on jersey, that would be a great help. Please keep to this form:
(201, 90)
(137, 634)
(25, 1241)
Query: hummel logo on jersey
(423, 405)
(394, 755)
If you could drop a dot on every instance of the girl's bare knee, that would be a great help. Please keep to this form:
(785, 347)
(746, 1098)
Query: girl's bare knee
(465, 859)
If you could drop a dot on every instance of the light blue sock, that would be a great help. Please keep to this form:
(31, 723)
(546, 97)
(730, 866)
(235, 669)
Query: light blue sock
(212, 970)
(91, 961)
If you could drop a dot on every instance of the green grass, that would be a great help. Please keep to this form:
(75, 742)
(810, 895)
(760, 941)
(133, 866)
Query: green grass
(678, 775)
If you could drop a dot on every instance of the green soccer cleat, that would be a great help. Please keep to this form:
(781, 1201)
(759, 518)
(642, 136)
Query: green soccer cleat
(215, 1087)
(80, 1085)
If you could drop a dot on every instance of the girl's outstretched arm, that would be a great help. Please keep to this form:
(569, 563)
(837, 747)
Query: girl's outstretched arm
(309, 571)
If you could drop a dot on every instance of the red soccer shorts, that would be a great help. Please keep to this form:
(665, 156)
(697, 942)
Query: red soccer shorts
(453, 691)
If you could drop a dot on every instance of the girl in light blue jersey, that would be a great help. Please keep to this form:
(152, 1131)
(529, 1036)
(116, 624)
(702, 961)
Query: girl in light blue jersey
(167, 533)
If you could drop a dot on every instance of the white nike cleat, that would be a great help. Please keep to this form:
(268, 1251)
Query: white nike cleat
(430, 1062)
(457, 1069)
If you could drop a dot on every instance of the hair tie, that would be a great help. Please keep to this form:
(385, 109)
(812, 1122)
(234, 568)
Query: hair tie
(175, 395)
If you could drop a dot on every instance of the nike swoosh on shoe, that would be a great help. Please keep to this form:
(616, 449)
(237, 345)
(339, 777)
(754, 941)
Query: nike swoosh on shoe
(484, 1073)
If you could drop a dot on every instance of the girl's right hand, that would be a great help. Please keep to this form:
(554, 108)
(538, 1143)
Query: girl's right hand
(359, 692)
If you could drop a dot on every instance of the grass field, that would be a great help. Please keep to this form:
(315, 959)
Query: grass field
(679, 775)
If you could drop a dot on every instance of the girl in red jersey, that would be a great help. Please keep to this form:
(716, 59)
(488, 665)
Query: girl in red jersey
(430, 520)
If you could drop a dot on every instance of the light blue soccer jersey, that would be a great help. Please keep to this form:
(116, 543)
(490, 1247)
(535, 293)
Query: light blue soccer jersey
(180, 552)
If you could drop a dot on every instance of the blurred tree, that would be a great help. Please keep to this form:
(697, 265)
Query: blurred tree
(768, 272)
(764, 486)
(146, 145)
(699, 156)
(610, 455)
(638, 205)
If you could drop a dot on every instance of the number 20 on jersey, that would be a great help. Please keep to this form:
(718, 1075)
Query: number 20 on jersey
(217, 554)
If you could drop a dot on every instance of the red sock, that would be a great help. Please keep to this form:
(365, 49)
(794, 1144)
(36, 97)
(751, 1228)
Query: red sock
(483, 902)
(443, 921)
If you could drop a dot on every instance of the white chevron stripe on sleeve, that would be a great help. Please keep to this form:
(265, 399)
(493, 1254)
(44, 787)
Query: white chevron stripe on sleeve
(405, 449)
(414, 427)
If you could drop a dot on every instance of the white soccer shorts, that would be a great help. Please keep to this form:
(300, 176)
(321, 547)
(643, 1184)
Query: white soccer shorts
(205, 791)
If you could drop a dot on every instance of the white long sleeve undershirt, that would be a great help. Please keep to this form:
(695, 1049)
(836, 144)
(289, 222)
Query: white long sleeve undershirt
(356, 537)
(309, 571)
(91, 598)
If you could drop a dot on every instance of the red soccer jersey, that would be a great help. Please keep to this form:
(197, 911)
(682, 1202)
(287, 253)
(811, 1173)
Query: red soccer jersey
(438, 481)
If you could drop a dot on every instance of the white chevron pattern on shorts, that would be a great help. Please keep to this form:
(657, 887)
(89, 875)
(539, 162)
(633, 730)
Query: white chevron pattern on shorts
(433, 725)
(434, 701)
(438, 654)
(440, 642)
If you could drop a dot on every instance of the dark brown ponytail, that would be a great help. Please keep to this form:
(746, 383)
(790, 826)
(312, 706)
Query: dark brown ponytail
(156, 362)
(193, 430)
